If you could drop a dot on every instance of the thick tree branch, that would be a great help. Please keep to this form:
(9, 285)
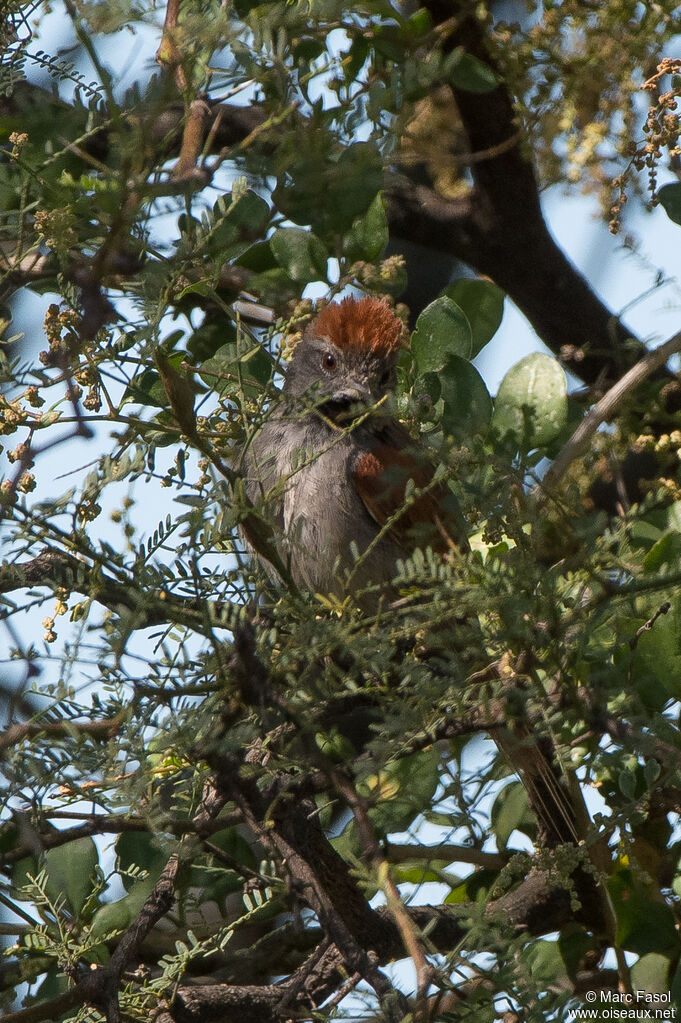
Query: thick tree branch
(536, 906)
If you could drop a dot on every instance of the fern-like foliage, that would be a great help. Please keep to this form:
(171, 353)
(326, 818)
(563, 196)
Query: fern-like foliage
(15, 35)
(65, 71)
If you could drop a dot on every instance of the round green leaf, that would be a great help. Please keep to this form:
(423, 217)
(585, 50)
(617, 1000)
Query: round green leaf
(442, 330)
(300, 253)
(274, 287)
(483, 304)
(232, 841)
(467, 404)
(657, 657)
(545, 962)
(531, 403)
(313, 178)
(358, 178)
(146, 389)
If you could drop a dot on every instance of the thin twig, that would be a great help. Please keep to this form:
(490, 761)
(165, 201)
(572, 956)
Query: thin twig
(408, 932)
(647, 626)
(447, 853)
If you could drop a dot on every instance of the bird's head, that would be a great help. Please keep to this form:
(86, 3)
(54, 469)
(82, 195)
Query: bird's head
(347, 355)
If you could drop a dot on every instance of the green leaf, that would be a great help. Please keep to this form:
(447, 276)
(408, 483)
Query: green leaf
(418, 871)
(545, 962)
(644, 535)
(243, 222)
(467, 403)
(531, 403)
(368, 235)
(209, 338)
(70, 870)
(643, 924)
(117, 916)
(139, 849)
(442, 330)
(235, 369)
(651, 974)
(472, 75)
(326, 192)
(627, 783)
(483, 303)
(665, 553)
(359, 177)
(418, 24)
(273, 287)
(146, 389)
(213, 883)
(258, 258)
(574, 942)
(232, 842)
(403, 789)
(300, 253)
(670, 200)
(388, 44)
(474, 887)
(510, 810)
(658, 650)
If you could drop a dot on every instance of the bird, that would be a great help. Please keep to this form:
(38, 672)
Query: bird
(346, 488)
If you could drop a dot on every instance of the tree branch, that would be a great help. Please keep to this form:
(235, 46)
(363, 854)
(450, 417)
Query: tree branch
(402, 853)
(535, 907)
(15, 734)
(58, 569)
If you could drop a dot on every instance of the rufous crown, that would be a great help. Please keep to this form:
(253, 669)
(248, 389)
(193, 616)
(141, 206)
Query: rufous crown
(360, 325)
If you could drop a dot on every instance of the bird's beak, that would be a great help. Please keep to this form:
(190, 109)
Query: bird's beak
(356, 394)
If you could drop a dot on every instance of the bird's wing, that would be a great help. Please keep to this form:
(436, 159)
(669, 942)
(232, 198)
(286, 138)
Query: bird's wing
(428, 514)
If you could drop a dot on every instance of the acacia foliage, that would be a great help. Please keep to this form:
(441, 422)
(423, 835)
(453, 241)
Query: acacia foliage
(260, 778)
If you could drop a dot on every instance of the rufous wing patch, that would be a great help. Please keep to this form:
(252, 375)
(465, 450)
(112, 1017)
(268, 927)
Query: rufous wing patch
(416, 519)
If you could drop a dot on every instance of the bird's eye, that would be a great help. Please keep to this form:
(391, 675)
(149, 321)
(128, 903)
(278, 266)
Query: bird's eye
(329, 362)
